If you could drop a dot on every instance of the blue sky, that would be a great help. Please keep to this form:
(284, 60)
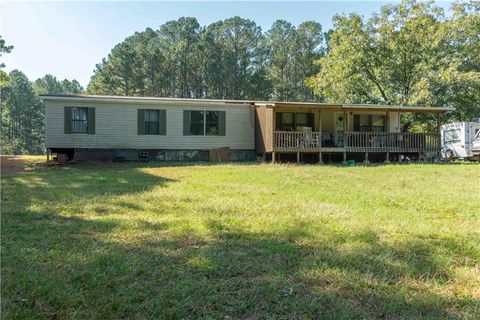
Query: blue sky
(67, 39)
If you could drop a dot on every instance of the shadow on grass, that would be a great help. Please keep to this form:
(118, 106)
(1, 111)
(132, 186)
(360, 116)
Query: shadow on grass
(57, 266)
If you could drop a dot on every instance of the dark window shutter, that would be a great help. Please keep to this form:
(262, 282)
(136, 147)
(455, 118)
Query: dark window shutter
(186, 122)
(91, 121)
(221, 123)
(162, 122)
(141, 121)
(356, 122)
(67, 127)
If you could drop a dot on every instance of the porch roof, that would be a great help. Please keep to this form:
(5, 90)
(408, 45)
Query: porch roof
(355, 107)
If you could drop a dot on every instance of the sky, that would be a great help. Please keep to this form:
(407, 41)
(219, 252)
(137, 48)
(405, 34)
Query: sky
(67, 39)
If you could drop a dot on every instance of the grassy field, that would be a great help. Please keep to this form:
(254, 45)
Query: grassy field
(151, 240)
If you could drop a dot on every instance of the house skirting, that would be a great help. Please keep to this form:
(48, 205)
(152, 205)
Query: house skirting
(84, 154)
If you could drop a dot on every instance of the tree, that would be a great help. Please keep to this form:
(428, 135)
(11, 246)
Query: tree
(229, 51)
(307, 48)
(22, 117)
(179, 40)
(280, 67)
(4, 49)
(408, 54)
(3, 75)
(292, 53)
(457, 83)
(49, 84)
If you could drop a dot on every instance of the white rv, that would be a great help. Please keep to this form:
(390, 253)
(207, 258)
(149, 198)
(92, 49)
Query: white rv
(461, 140)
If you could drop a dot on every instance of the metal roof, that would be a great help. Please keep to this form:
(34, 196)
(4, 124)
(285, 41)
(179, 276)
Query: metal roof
(220, 102)
(142, 100)
(356, 107)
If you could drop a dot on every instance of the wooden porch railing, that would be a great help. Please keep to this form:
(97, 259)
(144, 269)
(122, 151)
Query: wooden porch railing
(359, 142)
(392, 141)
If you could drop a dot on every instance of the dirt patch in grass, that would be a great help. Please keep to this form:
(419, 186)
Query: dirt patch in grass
(13, 164)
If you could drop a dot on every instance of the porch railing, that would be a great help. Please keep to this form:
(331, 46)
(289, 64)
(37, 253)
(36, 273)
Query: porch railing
(359, 141)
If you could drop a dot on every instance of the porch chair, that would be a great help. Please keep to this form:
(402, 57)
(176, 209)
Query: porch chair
(308, 140)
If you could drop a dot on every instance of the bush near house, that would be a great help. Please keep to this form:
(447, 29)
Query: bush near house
(150, 240)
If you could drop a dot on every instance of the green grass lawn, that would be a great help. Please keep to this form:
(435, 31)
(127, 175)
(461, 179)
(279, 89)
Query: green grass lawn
(151, 240)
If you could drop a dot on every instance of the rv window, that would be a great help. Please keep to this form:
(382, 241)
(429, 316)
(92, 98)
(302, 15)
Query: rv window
(477, 134)
(452, 135)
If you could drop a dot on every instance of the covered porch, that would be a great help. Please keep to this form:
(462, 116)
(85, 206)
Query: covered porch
(306, 128)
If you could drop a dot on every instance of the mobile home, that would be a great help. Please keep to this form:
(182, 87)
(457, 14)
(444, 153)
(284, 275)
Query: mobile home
(112, 127)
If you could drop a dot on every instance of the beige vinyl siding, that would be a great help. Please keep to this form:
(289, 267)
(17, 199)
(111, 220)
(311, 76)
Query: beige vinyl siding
(394, 121)
(116, 127)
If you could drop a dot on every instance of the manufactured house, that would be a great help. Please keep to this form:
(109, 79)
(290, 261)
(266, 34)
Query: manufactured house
(112, 127)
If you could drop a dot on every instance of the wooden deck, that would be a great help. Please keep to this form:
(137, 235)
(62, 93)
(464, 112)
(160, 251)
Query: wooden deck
(406, 142)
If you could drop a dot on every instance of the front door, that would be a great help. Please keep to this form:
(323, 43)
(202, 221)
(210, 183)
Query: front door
(339, 127)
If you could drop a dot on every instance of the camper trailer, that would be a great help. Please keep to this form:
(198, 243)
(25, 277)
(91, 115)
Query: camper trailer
(461, 140)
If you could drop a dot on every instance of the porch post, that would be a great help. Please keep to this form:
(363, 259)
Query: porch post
(320, 136)
(439, 138)
(387, 141)
(273, 157)
(48, 155)
(320, 127)
(344, 157)
(298, 156)
(387, 121)
(366, 157)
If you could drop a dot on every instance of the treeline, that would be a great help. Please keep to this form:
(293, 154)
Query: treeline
(410, 53)
(229, 59)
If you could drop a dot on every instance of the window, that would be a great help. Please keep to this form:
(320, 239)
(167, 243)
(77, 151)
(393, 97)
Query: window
(369, 123)
(211, 123)
(201, 123)
(287, 122)
(290, 121)
(452, 135)
(302, 120)
(196, 123)
(378, 123)
(151, 122)
(364, 123)
(79, 120)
